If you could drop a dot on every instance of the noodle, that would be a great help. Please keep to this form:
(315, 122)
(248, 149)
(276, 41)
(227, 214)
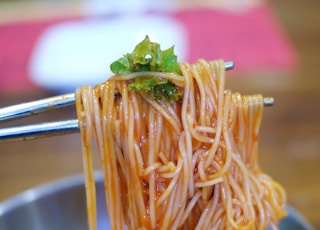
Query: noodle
(190, 164)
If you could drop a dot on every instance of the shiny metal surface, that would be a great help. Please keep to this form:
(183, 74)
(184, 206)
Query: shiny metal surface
(54, 206)
(35, 107)
(32, 131)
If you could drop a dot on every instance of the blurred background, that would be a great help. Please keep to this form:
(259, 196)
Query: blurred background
(52, 47)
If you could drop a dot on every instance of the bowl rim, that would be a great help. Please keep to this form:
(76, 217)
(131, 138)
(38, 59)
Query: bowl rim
(45, 190)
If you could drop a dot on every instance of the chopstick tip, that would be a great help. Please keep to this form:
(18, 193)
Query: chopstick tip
(229, 65)
(268, 101)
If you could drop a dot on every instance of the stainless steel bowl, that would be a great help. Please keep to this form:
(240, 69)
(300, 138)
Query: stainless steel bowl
(61, 205)
(54, 206)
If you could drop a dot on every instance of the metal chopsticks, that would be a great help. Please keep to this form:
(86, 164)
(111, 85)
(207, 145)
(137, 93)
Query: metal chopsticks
(35, 107)
(33, 131)
(52, 128)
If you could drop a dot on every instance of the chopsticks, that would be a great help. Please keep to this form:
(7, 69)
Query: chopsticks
(33, 131)
(35, 107)
(52, 128)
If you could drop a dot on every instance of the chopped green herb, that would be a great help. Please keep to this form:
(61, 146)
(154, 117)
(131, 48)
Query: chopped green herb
(147, 56)
(157, 88)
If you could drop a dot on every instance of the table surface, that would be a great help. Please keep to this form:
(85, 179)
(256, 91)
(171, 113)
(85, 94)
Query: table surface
(290, 133)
